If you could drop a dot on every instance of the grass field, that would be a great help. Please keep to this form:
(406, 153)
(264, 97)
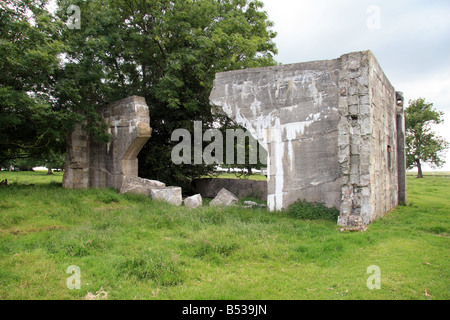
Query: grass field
(136, 248)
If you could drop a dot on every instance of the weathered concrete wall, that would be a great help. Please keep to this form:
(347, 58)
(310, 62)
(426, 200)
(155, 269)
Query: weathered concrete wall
(98, 165)
(292, 111)
(367, 140)
(76, 173)
(209, 188)
(401, 149)
(384, 175)
(326, 126)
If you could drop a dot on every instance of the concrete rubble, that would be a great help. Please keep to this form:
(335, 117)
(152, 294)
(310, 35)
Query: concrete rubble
(194, 201)
(172, 195)
(138, 185)
(224, 198)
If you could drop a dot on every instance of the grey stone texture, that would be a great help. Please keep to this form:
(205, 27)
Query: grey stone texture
(224, 198)
(333, 130)
(136, 185)
(172, 195)
(194, 201)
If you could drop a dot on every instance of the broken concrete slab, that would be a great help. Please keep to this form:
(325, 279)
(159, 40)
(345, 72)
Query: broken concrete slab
(172, 195)
(224, 198)
(136, 185)
(194, 201)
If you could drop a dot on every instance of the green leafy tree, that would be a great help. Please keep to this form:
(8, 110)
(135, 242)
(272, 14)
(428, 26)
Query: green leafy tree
(422, 144)
(25, 164)
(166, 51)
(30, 121)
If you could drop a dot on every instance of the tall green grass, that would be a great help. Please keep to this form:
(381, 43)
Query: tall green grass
(312, 211)
(136, 248)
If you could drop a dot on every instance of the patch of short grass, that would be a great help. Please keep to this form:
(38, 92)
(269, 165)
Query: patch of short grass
(31, 177)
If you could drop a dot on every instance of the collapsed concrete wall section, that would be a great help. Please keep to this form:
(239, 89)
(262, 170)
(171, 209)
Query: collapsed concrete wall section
(334, 132)
(90, 164)
(98, 165)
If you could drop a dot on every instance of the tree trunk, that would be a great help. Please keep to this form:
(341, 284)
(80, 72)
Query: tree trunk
(419, 169)
(49, 171)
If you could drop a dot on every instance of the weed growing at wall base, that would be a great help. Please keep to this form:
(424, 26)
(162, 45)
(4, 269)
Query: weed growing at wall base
(312, 211)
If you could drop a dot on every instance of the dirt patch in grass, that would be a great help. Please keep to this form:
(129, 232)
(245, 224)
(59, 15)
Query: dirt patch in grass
(32, 230)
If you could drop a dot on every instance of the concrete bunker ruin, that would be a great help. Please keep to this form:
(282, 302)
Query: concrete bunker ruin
(333, 129)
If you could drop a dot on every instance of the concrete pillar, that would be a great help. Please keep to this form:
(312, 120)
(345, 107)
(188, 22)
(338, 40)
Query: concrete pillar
(99, 165)
(401, 149)
(76, 174)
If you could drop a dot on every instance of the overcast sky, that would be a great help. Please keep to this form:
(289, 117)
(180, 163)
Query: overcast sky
(409, 38)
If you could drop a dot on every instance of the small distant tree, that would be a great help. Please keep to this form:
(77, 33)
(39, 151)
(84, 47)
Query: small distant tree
(422, 144)
(53, 160)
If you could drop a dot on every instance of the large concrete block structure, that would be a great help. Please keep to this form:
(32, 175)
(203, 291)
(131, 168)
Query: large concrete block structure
(90, 164)
(333, 130)
(99, 165)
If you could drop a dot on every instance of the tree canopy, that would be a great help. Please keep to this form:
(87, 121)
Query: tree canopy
(31, 123)
(422, 144)
(166, 51)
